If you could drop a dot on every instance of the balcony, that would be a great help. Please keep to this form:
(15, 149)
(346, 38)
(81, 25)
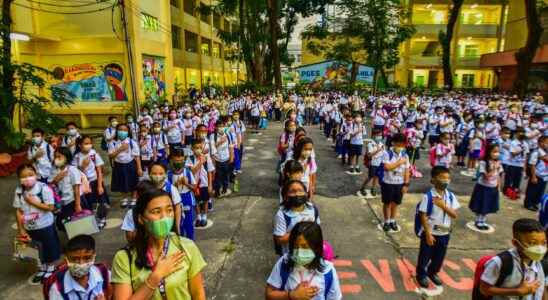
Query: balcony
(483, 30)
(425, 61)
(429, 29)
(468, 61)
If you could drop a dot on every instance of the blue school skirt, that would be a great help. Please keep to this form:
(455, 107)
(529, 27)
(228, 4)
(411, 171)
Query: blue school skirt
(485, 200)
(124, 177)
(49, 247)
(462, 149)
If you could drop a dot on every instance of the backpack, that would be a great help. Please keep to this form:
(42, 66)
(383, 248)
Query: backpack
(367, 157)
(58, 278)
(432, 156)
(429, 208)
(287, 219)
(505, 271)
(284, 274)
(104, 144)
(84, 186)
(279, 148)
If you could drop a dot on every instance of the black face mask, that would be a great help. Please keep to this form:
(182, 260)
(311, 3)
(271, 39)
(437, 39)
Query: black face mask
(296, 201)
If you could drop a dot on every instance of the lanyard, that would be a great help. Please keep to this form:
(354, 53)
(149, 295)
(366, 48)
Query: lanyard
(302, 278)
(80, 298)
(162, 286)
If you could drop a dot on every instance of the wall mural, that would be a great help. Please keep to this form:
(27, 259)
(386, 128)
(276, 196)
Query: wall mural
(154, 77)
(92, 82)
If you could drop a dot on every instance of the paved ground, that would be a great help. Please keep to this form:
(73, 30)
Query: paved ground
(238, 247)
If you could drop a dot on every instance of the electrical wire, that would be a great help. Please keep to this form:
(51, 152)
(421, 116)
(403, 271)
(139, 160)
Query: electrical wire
(113, 25)
(82, 4)
(139, 13)
(63, 12)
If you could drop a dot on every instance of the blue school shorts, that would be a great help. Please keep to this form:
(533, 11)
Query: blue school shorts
(356, 149)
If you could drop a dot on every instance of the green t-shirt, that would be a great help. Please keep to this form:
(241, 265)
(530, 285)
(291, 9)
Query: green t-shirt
(177, 284)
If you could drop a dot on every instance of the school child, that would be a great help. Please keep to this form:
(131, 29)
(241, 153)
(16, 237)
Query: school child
(303, 153)
(516, 273)
(345, 136)
(379, 117)
(68, 181)
(393, 126)
(463, 130)
(356, 145)
(110, 133)
(239, 129)
(81, 277)
(145, 118)
(91, 164)
(373, 159)
(203, 169)
(222, 152)
(295, 207)
(285, 142)
(146, 149)
(133, 127)
(395, 181)
(485, 197)
(173, 128)
(538, 175)
(444, 151)
(34, 205)
(160, 144)
(516, 163)
(70, 138)
(434, 126)
(184, 180)
(437, 209)
(41, 155)
(492, 129)
(188, 127)
(292, 170)
(159, 177)
(126, 165)
(474, 151)
(302, 273)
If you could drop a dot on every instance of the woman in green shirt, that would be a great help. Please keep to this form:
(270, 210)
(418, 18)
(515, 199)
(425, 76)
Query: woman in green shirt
(158, 264)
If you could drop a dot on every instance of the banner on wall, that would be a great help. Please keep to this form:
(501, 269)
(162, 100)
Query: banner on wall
(92, 82)
(154, 78)
(330, 72)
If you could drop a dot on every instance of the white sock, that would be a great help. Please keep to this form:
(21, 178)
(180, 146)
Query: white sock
(199, 216)
(204, 217)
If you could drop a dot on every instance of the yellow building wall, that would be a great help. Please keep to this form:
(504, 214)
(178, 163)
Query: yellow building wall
(516, 27)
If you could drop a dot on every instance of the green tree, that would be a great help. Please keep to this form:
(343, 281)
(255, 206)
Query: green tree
(445, 39)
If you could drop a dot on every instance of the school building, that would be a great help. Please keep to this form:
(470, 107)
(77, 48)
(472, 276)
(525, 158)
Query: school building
(172, 48)
(483, 26)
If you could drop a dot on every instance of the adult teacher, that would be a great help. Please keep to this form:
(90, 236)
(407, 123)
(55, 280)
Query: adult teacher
(158, 264)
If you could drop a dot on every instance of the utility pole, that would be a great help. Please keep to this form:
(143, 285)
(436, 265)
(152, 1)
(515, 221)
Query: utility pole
(130, 62)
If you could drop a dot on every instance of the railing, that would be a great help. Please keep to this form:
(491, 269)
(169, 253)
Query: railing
(468, 61)
(420, 60)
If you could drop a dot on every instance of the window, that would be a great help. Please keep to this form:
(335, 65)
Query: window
(471, 51)
(467, 80)
(216, 50)
(217, 21)
(203, 16)
(175, 37)
(174, 3)
(190, 7)
(191, 42)
(206, 46)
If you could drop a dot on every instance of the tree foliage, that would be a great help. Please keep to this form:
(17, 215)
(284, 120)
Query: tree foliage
(445, 39)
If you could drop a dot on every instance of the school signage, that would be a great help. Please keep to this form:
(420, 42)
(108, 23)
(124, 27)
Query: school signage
(332, 72)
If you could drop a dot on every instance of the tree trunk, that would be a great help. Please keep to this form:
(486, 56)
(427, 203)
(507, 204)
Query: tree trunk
(354, 72)
(445, 41)
(7, 105)
(525, 55)
(274, 23)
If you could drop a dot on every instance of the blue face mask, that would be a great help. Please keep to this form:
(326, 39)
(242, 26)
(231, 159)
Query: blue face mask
(122, 135)
(303, 257)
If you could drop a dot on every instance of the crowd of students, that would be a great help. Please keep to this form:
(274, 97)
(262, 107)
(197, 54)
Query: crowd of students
(170, 163)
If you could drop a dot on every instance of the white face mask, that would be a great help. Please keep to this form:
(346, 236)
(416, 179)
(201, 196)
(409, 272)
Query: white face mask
(306, 153)
(87, 147)
(535, 253)
(79, 270)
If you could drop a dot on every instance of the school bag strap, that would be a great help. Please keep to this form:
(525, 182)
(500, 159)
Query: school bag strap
(507, 265)
(287, 218)
(284, 275)
(506, 268)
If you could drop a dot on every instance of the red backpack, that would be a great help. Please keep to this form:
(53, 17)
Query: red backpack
(505, 271)
(58, 279)
(432, 156)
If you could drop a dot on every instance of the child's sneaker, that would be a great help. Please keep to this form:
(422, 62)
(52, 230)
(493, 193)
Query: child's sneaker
(373, 192)
(362, 193)
(394, 226)
(423, 282)
(339, 156)
(357, 171)
(124, 202)
(386, 227)
(227, 193)
(435, 280)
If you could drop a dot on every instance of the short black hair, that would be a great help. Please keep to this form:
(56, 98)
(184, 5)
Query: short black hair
(112, 118)
(80, 242)
(437, 170)
(176, 153)
(526, 225)
(38, 130)
(71, 124)
(65, 151)
(398, 138)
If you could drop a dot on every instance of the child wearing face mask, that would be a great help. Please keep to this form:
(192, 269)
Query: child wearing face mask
(181, 176)
(80, 277)
(133, 127)
(222, 152)
(203, 170)
(295, 208)
(485, 197)
(70, 138)
(126, 165)
(437, 210)
(188, 126)
(159, 177)
(519, 150)
(303, 154)
(91, 164)
(285, 142)
(474, 148)
(303, 273)
(444, 151)
(538, 175)
(174, 128)
(160, 144)
(292, 170)
(525, 278)
(238, 128)
(41, 155)
(110, 133)
(356, 144)
(145, 118)
(68, 180)
(34, 205)
(373, 157)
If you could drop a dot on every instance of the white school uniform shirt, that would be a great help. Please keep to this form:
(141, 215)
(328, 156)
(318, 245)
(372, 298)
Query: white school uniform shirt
(75, 291)
(439, 218)
(395, 176)
(159, 141)
(68, 139)
(126, 156)
(295, 217)
(95, 160)
(490, 177)
(314, 277)
(43, 165)
(109, 134)
(444, 153)
(519, 159)
(476, 143)
(146, 147)
(221, 153)
(256, 109)
(531, 273)
(357, 134)
(379, 117)
(33, 217)
(492, 130)
(532, 137)
(504, 148)
(373, 147)
(174, 135)
(512, 121)
(433, 122)
(134, 129)
(346, 130)
(202, 173)
(450, 123)
(238, 127)
(541, 168)
(188, 126)
(66, 184)
(187, 173)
